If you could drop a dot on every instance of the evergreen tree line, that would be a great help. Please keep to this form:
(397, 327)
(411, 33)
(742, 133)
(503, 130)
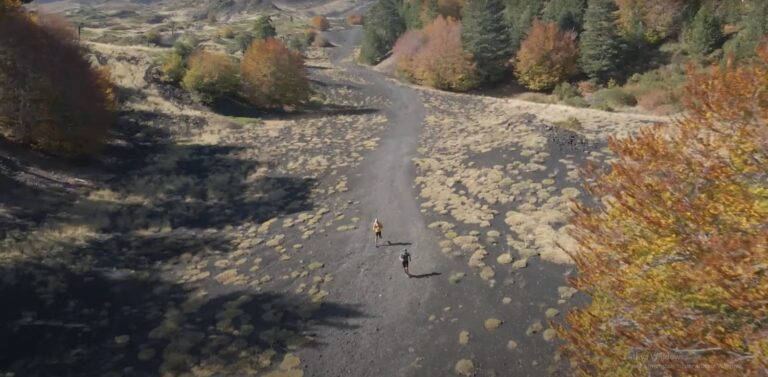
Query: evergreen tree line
(613, 36)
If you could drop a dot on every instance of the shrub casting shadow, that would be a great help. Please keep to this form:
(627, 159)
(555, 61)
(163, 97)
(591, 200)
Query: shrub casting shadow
(238, 108)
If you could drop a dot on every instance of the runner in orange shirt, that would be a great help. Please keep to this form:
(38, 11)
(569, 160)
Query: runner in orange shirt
(377, 227)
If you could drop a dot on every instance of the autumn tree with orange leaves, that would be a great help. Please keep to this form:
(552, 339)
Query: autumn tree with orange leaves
(273, 75)
(675, 259)
(434, 57)
(547, 57)
(320, 23)
(51, 97)
(11, 6)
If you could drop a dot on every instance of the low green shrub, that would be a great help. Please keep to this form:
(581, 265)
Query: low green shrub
(666, 77)
(565, 90)
(243, 40)
(572, 123)
(174, 67)
(538, 98)
(185, 46)
(576, 102)
(299, 42)
(658, 88)
(602, 107)
(613, 97)
(153, 37)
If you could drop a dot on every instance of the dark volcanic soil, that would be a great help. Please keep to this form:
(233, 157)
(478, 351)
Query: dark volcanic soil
(239, 244)
(411, 326)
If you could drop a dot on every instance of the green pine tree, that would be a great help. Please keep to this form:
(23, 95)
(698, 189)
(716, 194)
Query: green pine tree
(569, 14)
(753, 29)
(730, 11)
(243, 41)
(185, 45)
(519, 16)
(383, 25)
(432, 10)
(704, 34)
(263, 28)
(411, 13)
(600, 46)
(485, 36)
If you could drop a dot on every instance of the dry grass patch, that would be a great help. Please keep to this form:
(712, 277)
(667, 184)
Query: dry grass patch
(456, 277)
(464, 367)
(463, 337)
(492, 323)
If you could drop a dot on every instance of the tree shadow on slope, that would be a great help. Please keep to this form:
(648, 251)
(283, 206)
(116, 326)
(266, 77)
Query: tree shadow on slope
(27, 197)
(64, 322)
(326, 83)
(109, 303)
(167, 198)
(35, 184)
(154, 198)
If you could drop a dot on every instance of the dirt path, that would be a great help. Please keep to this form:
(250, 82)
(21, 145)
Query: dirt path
(373, 280)
(425, 326)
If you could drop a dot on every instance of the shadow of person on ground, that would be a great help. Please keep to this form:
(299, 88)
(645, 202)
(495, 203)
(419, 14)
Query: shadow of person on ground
(422, 276)
(390, 243)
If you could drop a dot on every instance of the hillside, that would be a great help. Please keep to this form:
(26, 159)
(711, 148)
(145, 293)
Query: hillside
(215, 235)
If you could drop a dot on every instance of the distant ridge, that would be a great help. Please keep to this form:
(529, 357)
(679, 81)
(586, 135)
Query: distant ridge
(226, 8)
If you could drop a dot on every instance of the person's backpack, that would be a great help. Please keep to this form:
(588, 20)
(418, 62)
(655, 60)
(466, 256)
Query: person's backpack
(404, 257)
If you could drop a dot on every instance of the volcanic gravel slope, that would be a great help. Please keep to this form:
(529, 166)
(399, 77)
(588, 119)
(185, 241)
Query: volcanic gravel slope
(238, 243)
(478, 189)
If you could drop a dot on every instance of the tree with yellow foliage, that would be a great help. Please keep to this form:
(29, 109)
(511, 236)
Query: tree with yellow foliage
(651, 20)
(273, 75)
(675, 259)
(211, 76)
(434, 57)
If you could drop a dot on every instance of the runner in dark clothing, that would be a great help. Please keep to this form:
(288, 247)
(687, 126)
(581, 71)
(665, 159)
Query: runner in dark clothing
(405, 257)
